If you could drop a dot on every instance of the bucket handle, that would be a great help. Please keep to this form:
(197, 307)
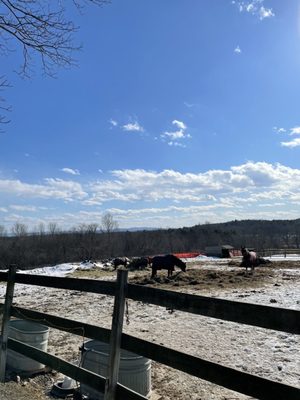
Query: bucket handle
(84, 351)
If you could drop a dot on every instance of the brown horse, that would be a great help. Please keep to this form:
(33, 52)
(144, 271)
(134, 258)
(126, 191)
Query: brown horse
(250, 259)
(168, 262)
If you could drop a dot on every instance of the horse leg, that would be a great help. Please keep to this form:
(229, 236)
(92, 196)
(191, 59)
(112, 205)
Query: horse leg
(153, 272)
(170, 271)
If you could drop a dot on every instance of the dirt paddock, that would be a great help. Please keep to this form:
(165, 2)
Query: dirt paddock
(270, 354)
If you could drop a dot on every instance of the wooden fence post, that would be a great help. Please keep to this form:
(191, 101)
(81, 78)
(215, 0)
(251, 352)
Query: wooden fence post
(115, 337)
(5, 320)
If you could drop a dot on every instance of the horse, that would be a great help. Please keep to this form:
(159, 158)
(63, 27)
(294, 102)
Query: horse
(250, 259)
(120, 261)
(168, 262)
(139, 263)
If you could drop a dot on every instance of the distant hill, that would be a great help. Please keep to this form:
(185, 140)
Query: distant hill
(252, 233)
(136, 229)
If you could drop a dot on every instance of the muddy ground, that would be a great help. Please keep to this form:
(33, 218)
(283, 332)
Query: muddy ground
(270, 354)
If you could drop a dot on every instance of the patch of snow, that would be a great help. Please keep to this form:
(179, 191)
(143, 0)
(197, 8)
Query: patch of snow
(282, 257)
(57, 270)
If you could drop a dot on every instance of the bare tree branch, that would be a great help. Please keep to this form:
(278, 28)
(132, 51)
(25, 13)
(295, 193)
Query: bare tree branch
(3, 84)
(39, 27)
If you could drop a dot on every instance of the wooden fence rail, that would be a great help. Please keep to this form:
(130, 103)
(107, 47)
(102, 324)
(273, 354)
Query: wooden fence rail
(280, 319)
(215, 373)
(82, 375)
(257, 315)
(251, 314)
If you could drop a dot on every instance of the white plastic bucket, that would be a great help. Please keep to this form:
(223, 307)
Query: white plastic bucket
(30, 333)
(134, 371)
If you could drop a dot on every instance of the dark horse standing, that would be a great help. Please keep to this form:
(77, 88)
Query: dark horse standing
(166, 262)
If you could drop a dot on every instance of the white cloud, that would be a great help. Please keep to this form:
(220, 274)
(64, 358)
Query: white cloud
(113, 122)
(291, 132)
(291, 144)
(52, 189)
(265, 13)
(70, 171)
(179, 124)
(22, 207)
(279, 130)
(149, 186)
(141, 197)
(237, 50)
(175, 135)
(133, 127)
(295, 130)
(175, 138)
(254, 7)
(141, 185)
(176, 144)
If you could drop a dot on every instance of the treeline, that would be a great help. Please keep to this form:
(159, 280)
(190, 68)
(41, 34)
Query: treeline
(28, 250)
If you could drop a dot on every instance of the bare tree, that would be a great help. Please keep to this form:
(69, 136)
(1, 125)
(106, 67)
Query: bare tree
(2, 231)
(53, 228)
(108, 223)
(3, 107)
(41, 229)
(19, 229)
(81, 228)
(86, 240)
(39, 28)
(92, 228)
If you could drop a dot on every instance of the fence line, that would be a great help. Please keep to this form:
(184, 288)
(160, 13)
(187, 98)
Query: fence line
(269, 317)
(215, 373)
(285, 252)
(232, 379)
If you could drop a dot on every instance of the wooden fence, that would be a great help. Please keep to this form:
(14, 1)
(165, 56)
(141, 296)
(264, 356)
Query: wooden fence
(257, 315)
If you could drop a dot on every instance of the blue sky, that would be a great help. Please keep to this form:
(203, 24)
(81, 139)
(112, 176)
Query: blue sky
(179, 113)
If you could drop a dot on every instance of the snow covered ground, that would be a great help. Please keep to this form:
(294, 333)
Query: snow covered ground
(270, 354)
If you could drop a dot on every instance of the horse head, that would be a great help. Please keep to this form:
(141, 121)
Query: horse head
(244, 251)
(179, 263)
